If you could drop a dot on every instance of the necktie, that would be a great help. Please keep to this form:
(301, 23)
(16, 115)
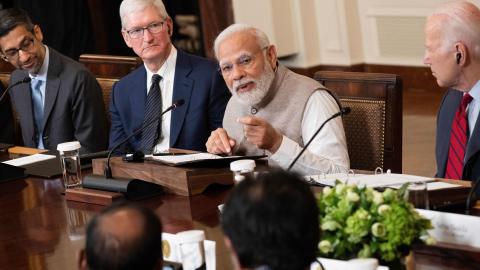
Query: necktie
(458, 141)
(153, 109)
(37, 100)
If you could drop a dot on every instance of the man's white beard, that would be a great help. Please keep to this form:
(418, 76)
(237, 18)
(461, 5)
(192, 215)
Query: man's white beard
(262, 85)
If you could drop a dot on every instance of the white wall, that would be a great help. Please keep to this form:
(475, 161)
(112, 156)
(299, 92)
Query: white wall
(341, 32)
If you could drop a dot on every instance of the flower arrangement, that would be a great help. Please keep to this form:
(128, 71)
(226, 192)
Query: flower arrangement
(362, 222)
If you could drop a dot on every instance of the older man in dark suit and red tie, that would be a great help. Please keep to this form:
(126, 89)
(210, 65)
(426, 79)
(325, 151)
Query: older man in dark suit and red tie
(167, 75)
(452, 50)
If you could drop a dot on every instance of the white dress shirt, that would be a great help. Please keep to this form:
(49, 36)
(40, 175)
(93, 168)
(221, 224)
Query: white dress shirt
(167, 71)
(328, 151)
(474, 107)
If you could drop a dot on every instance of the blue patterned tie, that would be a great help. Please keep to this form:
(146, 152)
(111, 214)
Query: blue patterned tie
(37, 98)
(153, 109)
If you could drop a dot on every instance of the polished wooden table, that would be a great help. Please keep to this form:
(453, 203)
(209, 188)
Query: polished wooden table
(39, 229)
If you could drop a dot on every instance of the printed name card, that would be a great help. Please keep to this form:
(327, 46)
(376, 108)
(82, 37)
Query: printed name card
(454, 228)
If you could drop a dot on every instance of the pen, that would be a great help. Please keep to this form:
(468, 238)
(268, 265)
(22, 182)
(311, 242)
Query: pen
(169, 154)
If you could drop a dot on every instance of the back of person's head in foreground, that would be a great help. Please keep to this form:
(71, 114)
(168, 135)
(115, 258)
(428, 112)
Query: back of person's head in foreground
(272, 221)
(123, 236)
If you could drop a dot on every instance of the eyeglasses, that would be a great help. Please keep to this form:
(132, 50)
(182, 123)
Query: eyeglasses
(12, 54)
(153, 28)
(244, 61)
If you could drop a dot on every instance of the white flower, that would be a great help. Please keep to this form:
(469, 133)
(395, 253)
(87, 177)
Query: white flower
(327, 191)
(330, 225)
(377, 197)
(340, 189)
(378, 229)
(383, 209)
(325, 246)
(353, 196)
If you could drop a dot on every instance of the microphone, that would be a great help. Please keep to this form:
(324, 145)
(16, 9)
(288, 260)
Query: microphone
(108, 170)
(24, 80)
(343, 111)
(471, 195)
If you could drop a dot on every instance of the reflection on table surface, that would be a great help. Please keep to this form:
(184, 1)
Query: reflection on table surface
(39, 229)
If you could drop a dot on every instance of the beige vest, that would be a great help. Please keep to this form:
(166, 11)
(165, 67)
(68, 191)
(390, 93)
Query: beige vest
(282, 107)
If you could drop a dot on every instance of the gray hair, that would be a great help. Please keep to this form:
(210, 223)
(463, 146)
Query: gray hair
(130, 6)
(460, 22)
(262, 39)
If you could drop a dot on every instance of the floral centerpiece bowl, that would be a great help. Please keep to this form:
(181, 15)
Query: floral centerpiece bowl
(363, 222)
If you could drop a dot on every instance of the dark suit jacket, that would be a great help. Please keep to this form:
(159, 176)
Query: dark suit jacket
(197, 81)
(446, 114)
(73, 107)
(6, 119)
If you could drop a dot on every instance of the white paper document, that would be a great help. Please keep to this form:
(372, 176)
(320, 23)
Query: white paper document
(183, 159)
(28, 160)
(392, 180)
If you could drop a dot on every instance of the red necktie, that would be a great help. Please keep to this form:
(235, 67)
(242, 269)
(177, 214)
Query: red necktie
(458, 141)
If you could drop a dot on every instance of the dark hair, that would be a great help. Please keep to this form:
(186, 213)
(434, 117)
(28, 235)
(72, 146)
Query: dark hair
(273, 221)
(13, 17)
(107, 251)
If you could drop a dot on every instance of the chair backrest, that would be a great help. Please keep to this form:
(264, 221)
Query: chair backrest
(106, 84)
(374, 126)
(110, 65)
(5, 78)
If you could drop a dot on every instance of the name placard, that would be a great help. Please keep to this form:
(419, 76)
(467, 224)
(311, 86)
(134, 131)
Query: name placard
(454, 228)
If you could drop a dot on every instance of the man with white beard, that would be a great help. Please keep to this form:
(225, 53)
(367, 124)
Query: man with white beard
(274, 111)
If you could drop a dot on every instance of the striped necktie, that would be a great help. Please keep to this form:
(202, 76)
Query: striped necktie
(458, 141)
(37, 102)
(153, 109)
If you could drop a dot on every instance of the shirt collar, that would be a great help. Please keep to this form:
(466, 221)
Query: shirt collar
(167, 65)
(475, 92)
(42, 73)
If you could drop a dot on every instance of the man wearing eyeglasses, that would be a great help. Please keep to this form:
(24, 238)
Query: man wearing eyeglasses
(168, 75)
(273, 110)
(63, 102)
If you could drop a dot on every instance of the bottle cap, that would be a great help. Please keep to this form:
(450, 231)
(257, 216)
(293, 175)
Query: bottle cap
(68, 146)
(244, 165)
(192, 236)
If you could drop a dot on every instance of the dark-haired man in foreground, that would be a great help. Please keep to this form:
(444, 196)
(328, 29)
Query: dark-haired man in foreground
(271, 223)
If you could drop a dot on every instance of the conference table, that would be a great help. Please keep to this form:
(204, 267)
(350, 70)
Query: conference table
(39, 229)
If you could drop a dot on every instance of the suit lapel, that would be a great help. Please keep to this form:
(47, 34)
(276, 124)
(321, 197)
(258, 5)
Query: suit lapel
(473, 146)
(53, 84)
(25, 110)
(182, 89)
(137, 94)
(445, 126)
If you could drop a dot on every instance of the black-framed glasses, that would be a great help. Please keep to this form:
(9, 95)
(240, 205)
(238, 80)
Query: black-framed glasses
(244, 61)
(153, 28)
(12, 54)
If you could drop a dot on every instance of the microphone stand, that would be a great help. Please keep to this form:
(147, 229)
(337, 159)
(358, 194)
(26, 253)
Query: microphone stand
(343, 111)
(108, 170)
(24, 80)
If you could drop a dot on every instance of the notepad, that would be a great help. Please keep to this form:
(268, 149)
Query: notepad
(198, 159)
